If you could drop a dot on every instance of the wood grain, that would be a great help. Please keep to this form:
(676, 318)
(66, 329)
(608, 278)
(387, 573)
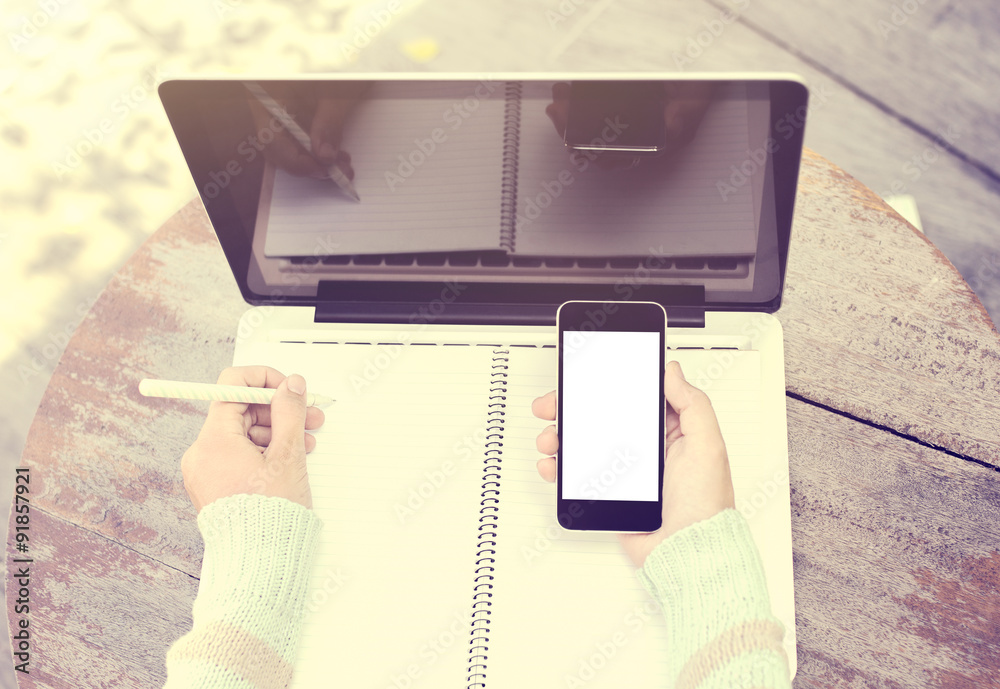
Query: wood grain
(896, 559)
(871, 41)
(101, 615)
(879, 325)
(102, 455)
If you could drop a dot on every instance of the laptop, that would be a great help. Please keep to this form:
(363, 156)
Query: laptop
(404, 242)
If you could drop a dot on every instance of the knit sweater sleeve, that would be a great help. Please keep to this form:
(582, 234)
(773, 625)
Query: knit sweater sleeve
(721, 632)
(247, 615)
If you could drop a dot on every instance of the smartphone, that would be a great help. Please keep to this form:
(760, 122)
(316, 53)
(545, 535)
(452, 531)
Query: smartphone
(610, 415)
(624, 117)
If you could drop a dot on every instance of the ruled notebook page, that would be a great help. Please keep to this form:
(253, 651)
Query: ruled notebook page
(396, 477)
(567, 604)
(412, 198)
(670, 204)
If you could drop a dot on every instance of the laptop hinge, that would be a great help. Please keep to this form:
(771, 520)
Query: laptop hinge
(453, 302)
(685, 317)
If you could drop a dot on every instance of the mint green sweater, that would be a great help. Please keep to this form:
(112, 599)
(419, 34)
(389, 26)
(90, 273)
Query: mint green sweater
(259, 551)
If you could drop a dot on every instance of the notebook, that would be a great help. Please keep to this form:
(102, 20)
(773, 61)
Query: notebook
(441, 562)
(479, 169)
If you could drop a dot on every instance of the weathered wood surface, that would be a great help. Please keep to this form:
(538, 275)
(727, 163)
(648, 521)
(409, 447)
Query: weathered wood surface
(113, 532)
(879, 325)
(107, 457)
(896, 558)
(952, 93)
(893, 542)
(101, 615)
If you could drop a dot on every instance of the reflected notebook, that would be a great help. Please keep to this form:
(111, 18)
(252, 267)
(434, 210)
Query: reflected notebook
(481, 167)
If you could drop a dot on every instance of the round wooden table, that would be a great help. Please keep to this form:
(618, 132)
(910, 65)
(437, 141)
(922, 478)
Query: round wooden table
(893, 376)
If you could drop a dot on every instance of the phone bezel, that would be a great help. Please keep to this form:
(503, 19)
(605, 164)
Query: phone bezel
(610, 515)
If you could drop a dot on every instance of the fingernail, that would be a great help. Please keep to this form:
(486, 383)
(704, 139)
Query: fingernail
(296, 383)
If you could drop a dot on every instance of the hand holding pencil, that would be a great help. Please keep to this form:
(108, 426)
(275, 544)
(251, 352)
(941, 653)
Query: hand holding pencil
(248, 447)
(323, 109)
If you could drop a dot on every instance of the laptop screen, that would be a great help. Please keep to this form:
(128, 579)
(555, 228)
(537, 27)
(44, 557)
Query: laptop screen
(519, 193)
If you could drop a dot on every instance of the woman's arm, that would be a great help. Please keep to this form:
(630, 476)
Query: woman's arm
(709, 580)
(247, 617)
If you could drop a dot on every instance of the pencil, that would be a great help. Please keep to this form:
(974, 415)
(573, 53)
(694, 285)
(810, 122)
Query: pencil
(177, 389)
(273, 107)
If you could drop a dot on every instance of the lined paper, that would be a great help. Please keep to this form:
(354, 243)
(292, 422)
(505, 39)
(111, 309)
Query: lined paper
(669, 204)
(413, 198)
(568, 604)
(390, 597)
(391, 591)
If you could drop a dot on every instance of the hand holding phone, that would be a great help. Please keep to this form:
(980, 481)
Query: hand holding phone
(610, 415)
(697, 483)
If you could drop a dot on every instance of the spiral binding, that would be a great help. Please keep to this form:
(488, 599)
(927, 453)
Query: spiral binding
(488, 517)
(508, 184)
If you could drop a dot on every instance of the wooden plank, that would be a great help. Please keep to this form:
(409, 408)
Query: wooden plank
(896, 559)
(930, 61)
(102, 454)
(879, 325)
(101, 614)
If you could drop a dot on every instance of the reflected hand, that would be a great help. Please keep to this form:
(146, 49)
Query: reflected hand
(322, 111)
(697, 483)
(253, 448)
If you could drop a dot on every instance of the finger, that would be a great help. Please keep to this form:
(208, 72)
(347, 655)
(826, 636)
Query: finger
(288, 154)
(261, 416)
(326, 130)
(547, 468)
(673, 119)
(694, 409)
(261, 437)
(344, 163)
(557, 117)
(232, 414)
(547, 441)
(558, 110)
(288, 418)
(315, 418)
(544, 407)
(672, 425)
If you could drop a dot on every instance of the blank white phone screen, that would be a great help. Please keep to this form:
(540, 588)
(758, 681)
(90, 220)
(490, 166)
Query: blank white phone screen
(610, 426)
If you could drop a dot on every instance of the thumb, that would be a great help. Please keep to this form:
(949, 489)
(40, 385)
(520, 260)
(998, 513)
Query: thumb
(288, 417)
(697, 417)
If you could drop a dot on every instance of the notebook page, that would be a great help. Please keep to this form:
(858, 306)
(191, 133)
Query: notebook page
(568, 605)
(428, 172)
(395, 477)
(671, 204)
